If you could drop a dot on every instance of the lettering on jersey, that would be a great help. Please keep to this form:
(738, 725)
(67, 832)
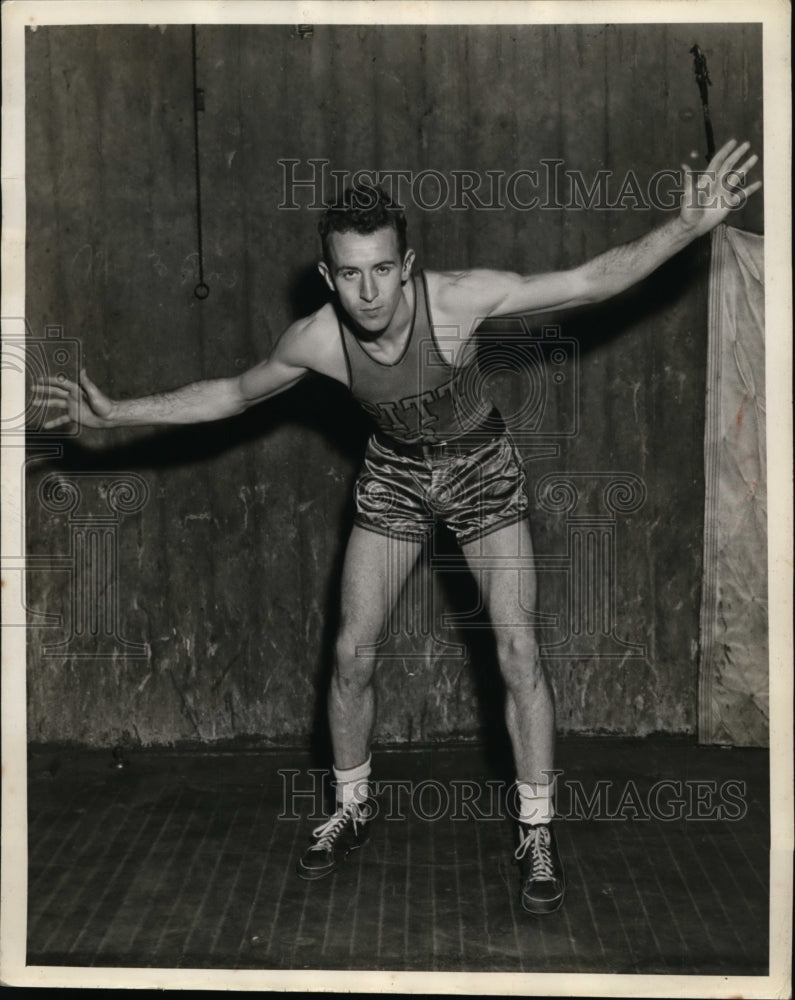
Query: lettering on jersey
(412, 418)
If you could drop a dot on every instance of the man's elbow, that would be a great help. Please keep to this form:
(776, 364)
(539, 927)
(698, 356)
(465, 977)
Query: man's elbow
(584, 287)
(590, 287)
(238, 395)
(249, 388)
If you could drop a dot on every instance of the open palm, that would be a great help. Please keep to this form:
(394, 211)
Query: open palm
(83, 403)
(710, 195)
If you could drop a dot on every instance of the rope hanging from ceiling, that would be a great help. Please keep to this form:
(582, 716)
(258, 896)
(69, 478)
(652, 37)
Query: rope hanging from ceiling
(202, 290)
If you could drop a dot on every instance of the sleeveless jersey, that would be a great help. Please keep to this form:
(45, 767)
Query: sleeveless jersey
(420, 397)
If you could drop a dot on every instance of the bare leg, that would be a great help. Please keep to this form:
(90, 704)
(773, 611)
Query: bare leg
(376, 567)
(510, 596)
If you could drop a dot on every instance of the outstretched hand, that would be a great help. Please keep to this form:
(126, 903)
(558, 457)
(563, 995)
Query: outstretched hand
(82, 402)
(710, 195)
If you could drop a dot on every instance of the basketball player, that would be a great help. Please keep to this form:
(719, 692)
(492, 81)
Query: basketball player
(439, 450)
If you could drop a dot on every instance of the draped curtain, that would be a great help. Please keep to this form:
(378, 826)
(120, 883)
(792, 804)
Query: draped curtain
(733, 702)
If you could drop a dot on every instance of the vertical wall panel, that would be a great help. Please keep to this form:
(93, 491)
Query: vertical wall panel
(229, 570)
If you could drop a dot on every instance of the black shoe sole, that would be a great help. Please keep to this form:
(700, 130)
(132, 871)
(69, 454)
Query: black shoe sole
(315, 874)
(540, 908)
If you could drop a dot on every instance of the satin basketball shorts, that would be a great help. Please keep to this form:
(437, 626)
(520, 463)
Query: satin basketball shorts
(403, 491)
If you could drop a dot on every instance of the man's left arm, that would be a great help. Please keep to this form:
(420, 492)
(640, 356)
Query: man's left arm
(707, 199)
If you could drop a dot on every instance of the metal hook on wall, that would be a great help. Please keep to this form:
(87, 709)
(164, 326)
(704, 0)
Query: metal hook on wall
(703, 80)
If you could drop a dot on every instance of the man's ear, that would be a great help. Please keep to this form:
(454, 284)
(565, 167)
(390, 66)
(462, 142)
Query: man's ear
(322, 266)
(408, 260)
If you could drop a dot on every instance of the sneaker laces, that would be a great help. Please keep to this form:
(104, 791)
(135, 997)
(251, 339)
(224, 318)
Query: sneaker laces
(328, 832)
(538, 840)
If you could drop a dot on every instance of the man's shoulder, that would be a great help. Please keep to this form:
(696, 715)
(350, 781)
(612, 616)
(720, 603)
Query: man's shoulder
(465, 279)
(315, 324)
(308, 332)
(460, 292)
(312, 341)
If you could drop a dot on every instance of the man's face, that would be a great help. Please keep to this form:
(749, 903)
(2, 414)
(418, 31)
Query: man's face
(367, 274)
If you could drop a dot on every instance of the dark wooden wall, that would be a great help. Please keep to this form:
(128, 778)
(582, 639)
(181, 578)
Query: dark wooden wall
(227, 572)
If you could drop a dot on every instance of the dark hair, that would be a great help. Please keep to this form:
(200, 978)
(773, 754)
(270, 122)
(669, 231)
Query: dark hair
(362, 210)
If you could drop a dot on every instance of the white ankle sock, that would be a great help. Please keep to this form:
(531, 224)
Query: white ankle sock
(352, 784)
(535, 801)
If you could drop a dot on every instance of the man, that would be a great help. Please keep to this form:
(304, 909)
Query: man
(439, 451)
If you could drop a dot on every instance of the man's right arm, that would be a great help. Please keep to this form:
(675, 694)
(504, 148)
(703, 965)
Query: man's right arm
(197, 402)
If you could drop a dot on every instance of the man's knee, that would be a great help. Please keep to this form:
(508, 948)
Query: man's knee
(517, 652)
(354, 662)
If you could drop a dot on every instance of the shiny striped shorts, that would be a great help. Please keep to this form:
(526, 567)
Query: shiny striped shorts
(473, 494)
